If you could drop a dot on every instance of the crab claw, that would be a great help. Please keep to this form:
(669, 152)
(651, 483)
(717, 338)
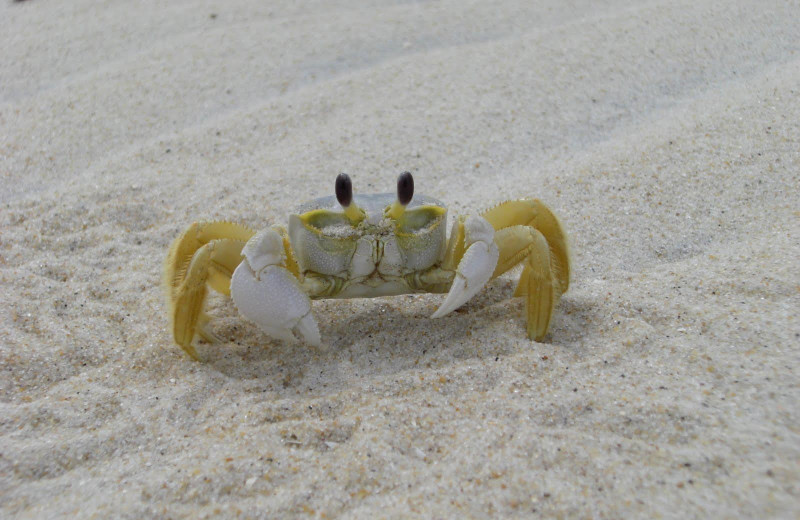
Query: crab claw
(476, 266)
(268, 294)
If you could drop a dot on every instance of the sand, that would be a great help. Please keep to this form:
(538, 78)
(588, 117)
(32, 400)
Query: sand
(666, 135)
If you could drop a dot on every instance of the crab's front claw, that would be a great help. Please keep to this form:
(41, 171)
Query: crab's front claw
(476, 266)
(268, 294)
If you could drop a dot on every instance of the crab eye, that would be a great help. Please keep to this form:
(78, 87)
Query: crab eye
(344, 189)
(405, 188)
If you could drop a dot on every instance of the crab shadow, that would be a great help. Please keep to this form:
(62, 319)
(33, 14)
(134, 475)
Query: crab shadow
(362, 339)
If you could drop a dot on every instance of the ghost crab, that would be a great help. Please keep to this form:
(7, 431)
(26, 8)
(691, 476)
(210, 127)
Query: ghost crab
(363, 246)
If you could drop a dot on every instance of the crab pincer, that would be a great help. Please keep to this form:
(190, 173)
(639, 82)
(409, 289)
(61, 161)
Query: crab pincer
(268, 294)
(476, 266)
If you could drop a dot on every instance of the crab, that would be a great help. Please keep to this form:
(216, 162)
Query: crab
(362, 246)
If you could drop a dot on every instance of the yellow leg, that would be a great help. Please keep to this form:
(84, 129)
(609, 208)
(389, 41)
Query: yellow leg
(206, 253)
(515, 244)
(455, 246)
(540, 287)
(532, 212)
(528, 232)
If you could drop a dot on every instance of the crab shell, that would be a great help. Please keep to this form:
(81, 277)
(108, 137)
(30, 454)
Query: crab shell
(375, 254)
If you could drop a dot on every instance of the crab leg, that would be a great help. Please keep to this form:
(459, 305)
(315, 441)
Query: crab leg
(537, 283)
(266, 292)
(528, 232)
(533, 213)
(206, 253)
(475, 267)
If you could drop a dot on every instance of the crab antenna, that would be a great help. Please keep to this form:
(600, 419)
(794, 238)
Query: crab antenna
(405, 192)
(344, 194)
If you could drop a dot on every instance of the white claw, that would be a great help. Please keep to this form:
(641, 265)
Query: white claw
(476, 266)
(263, 249)
(307, 329)
(268, 294)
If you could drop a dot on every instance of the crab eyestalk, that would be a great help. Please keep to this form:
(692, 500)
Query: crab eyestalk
(405, 192)
(344, 194)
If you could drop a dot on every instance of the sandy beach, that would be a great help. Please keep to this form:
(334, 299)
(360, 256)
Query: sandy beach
(665, 135)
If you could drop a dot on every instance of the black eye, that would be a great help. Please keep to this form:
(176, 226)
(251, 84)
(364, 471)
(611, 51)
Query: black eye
(344, 189)
(405, 188)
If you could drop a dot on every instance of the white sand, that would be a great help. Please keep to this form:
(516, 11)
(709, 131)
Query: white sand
(665, 134)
